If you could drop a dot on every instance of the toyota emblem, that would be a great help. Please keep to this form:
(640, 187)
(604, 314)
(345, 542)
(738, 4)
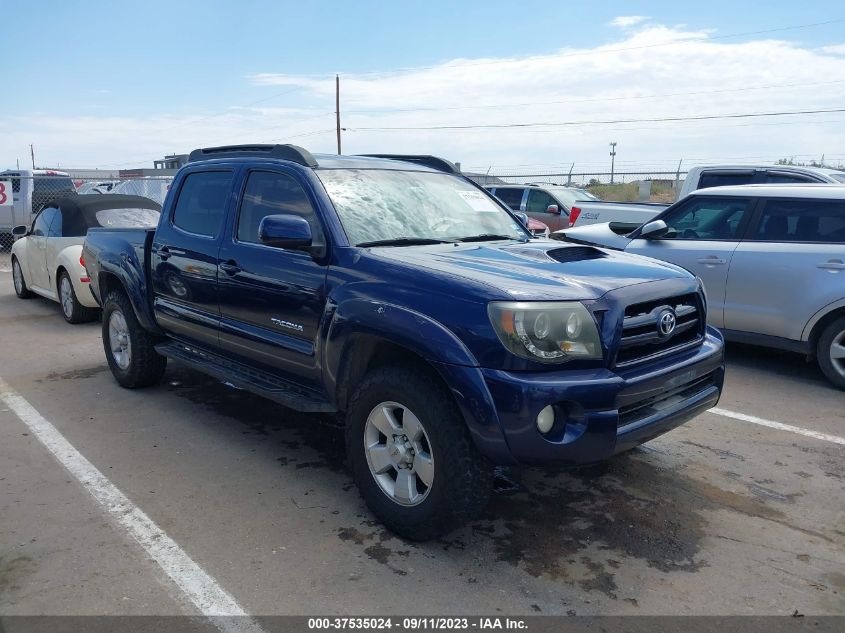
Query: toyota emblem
(666, 322)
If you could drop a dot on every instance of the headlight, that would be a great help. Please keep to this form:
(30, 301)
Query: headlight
(548, 331)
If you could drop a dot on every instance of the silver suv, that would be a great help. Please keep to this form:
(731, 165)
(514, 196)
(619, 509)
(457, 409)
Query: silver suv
(772, 258)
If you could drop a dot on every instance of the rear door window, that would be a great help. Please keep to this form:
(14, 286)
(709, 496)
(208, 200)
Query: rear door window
(799, 220)
(202, 200)
(510, 196)
(774, 178)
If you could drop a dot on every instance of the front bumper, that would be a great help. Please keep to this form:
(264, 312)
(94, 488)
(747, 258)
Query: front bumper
(599, 412)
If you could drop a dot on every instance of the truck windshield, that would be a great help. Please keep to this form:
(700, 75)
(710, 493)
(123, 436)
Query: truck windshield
(377, 205)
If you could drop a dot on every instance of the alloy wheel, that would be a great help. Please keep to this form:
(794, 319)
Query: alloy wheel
(399, 453)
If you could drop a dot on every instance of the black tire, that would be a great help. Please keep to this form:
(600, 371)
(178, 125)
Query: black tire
(833, 368)
(461, 486)
(144, 367)
(72, 310)
(17, 276)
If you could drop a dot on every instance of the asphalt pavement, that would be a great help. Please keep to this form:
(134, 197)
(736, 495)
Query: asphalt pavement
(721, 516)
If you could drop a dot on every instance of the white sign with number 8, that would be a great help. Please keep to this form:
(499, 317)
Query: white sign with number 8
(5, 193)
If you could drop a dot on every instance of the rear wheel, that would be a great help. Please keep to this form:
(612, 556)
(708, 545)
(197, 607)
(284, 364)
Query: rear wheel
(130, 349)
(830, 352)
(72, 310)
(20, 283)
(411, 454)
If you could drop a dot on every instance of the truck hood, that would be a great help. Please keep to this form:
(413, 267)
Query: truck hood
(596, 235)
(530, 271)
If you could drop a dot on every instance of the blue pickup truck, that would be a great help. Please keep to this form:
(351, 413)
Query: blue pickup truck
(397, 294)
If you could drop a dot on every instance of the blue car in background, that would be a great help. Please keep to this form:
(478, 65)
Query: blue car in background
(397, 294)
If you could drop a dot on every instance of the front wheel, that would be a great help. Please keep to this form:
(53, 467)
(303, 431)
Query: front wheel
(411, 454)
(830, 352)
(72, 310)
(130, 349)
(20, 283)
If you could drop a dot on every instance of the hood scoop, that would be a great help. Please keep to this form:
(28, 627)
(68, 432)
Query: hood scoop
(575, 254)
(562, 254)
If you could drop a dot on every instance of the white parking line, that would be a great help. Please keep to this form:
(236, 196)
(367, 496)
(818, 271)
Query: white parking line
(778, 425)
(200, 588)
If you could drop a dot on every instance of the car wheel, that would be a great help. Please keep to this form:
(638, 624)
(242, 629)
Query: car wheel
(72, 310)
(830, 352)
(130, 349)
(20, 283)
(411, 454)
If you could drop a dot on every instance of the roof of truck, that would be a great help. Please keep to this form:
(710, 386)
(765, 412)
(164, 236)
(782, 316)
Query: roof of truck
(814, 190)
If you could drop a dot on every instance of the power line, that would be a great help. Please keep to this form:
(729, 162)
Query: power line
(489, 126)
(594, 99)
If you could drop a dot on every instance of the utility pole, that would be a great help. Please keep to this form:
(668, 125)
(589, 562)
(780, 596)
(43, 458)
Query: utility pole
(612, 159)
(337, 108)
(32, 153)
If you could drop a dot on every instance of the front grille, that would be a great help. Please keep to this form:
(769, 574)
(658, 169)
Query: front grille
(632, 413)
(642, 338)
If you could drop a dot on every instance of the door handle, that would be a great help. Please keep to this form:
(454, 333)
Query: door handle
(712, 260)
(163, 252)
(230, 267)
(833, 264)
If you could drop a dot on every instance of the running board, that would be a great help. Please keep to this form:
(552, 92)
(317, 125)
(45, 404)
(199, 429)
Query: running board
(255, 381)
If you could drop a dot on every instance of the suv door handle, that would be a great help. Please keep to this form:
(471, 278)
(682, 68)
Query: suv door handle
(833, 264)
(712, 260)
(163, 252)
(230, 267)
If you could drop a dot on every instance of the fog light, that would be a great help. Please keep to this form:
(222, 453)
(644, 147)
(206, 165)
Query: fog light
(546, 419)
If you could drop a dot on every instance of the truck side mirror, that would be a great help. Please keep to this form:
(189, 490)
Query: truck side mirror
(522, 217)
(20, 231)
(553, 209)
(654, 229)
(285, 231)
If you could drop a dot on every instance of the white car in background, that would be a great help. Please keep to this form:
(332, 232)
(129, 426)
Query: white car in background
(47, 257)
(154, 188)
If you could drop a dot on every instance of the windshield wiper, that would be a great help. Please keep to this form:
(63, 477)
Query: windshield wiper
(486, 237)
(404, 241)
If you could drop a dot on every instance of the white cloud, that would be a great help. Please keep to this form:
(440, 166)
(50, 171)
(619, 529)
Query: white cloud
(836, 49)
(654, 72)
(626, 21)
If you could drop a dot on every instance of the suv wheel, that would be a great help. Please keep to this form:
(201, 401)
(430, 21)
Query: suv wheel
(411, 454)
(130, 349)
(830, 352)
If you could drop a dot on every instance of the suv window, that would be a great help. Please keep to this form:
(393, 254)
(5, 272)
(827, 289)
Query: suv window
(774, 178)
(271, 193)
(723, 179)
(538, 201)
(802, 221)
(202, 202)
(511, 197)
(707, 218)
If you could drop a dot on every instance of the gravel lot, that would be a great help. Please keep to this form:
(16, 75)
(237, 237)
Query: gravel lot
(721, 516)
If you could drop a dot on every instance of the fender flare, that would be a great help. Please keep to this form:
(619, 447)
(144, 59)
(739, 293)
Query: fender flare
(818, 316)
(429, 340)
(129, 272)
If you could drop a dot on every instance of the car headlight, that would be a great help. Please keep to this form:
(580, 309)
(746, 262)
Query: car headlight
(546, 331)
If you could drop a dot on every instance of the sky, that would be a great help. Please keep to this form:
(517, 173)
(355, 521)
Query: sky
(509, 87)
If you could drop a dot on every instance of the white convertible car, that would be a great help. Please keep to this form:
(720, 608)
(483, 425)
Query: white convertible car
(47, 257)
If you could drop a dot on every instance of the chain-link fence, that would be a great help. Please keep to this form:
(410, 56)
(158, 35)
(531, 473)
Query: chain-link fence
(619, 186)
(23, 195)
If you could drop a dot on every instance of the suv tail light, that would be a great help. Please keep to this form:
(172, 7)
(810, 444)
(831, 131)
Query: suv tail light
(574, 212)
(82, 261)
